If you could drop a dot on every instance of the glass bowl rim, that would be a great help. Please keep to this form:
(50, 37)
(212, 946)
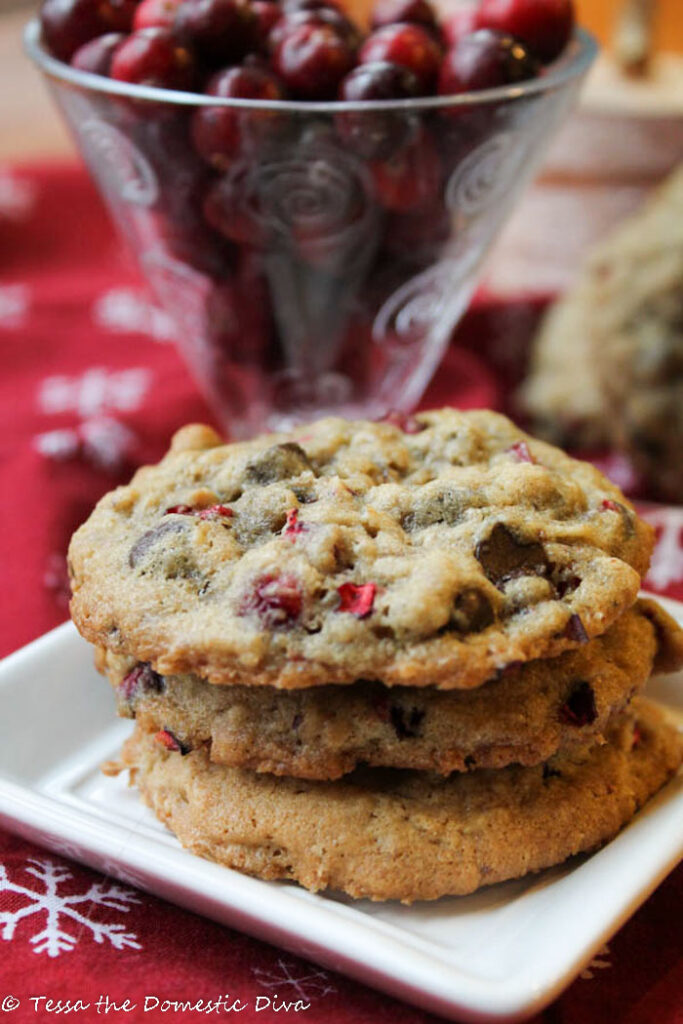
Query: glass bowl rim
(576, 60)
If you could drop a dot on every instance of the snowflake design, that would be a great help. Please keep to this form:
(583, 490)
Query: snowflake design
(54, 939)
(667, 561)
(17, 197)
(124, 310)
(598, 963)
(315, 982)
(95, 391)
(14, 304)
(102, 441)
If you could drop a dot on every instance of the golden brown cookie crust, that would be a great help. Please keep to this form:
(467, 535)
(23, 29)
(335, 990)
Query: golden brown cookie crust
(357, 550)
(384, 834)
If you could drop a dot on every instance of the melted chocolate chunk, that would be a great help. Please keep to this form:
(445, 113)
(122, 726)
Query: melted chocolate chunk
(281, 462)
(579, 709)
(142, 547)
(575, 630)
(472, 611)
(551, 773)
(406, 724)
(503, 556)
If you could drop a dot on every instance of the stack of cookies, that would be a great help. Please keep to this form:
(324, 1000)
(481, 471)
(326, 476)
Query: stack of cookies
(397, 659)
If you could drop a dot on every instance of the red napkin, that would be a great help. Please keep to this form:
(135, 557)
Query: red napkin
(91, 388)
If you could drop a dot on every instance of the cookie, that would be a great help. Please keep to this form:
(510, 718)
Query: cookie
(390, 834)
(436, 552)
(325, 732)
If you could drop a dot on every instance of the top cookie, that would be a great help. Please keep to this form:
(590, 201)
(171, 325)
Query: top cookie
(435, 551)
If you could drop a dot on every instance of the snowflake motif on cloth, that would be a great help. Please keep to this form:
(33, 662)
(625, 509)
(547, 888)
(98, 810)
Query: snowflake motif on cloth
(314, 982)
(14, 305)
(95, 391)
(126, 310)
(666, 567)
(17, 197)
(55, 939)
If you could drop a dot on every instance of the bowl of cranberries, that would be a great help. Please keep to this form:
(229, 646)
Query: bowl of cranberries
(309, 199)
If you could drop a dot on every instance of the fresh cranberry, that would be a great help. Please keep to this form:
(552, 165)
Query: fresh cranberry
(520, 452)
(357, 598)
(153, 56)
(411, 46)
(377, 134)
(462, 21)
(391, 12)
(290, 6)
(238, 315)
(228, 208)
(324, 15)
(544, 25)
(277, 600)
(267, 14)
(219, 31)
(418, 235)
(68, 24)
(156, 13)
(96, 56)
(312, 58)
(411, 178)
(220, 133)
(485, 60)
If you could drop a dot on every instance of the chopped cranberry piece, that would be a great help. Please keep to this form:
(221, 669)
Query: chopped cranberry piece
(142, 677)
(171, 742)
(391, 12)
(293, 526)
(376, 135)
(156, 14)
(312, 58)
(575, 630)
(544, 25)
(637, 737)
(220, 32)
(153, 56)
(96, 56)
(68, 24)
(277, 600)
(411, 178)
(613, 506)
(485, 60)
(521, 453)
(405, 421)
(179, 510)
(216, 512)
(357, 598)
(411, 46)
(579, 709)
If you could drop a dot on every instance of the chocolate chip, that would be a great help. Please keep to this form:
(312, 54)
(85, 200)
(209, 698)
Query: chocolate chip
(406, 724)
(281, 462)
(142, 546)
(566, 585)
(575, 630)
(470, 762)
(472, 611)
(297, 720)
(504, 556)
(551, 773)
(579, 709)
(447, 507)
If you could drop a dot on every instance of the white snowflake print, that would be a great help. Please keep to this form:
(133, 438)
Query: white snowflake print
(14, 304)
(17, 197)
(94, 392)
(102, 441)
(125, 309)
(667, 560)
(598, 963)
(315, 982)
(54, 939)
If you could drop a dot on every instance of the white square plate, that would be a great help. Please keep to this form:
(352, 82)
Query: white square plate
(500, 954)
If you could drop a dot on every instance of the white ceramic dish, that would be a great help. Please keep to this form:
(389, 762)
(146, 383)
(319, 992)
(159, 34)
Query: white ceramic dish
(501, 954)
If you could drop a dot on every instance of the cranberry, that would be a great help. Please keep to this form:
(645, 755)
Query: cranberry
(293, 527)
(68, 24)
(329, 16)
(290, 6)
(545, 26)
(391, 12)
(312, 58)
(277, 600)
(219, 31)
(485, 60)
(156, 14)
(170, 741)
(229, 209)
(211, 512)
(220, 133)
(376, 135)
(357, 598)
(153, 56)
(462, 21)
(267, 14)
(141, 678)
(520, 452)
(238, 314)
(411, 46)
(579, 709)
(412, 177)
(96, 56)
(418, 235)
(612, 506)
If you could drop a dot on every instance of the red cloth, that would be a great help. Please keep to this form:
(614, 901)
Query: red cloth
(92, 387)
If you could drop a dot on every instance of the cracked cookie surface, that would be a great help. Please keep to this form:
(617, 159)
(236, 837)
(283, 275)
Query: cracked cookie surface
(435, 554)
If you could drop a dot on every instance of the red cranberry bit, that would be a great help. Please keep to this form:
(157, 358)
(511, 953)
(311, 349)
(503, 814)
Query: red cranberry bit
(405, 421)
(156, 13)
(311, 59)
(219, 31)
(293, 527)
(579, 709)
(277, 600)
(520, 451)
(612, 506)
(575, 630)
(376, 135)
(357, 598)
(411, 179)
(153, 56)
(544, 25)
(485, 60)
(637, 737)
(216, 512)
(68, 24)
(96, 56)
(411, 46)
(179, 510)
(391, 12)
(142, 677)
(171, 742)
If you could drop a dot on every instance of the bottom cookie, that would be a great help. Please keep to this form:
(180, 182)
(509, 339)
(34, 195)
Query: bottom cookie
(393, 834)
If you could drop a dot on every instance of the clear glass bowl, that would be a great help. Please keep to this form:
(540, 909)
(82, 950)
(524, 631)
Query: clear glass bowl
(305, 278)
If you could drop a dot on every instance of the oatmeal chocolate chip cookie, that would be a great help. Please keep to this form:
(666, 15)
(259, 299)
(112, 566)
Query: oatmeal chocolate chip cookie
(437, 554)
(390, 834)
(324, 732)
